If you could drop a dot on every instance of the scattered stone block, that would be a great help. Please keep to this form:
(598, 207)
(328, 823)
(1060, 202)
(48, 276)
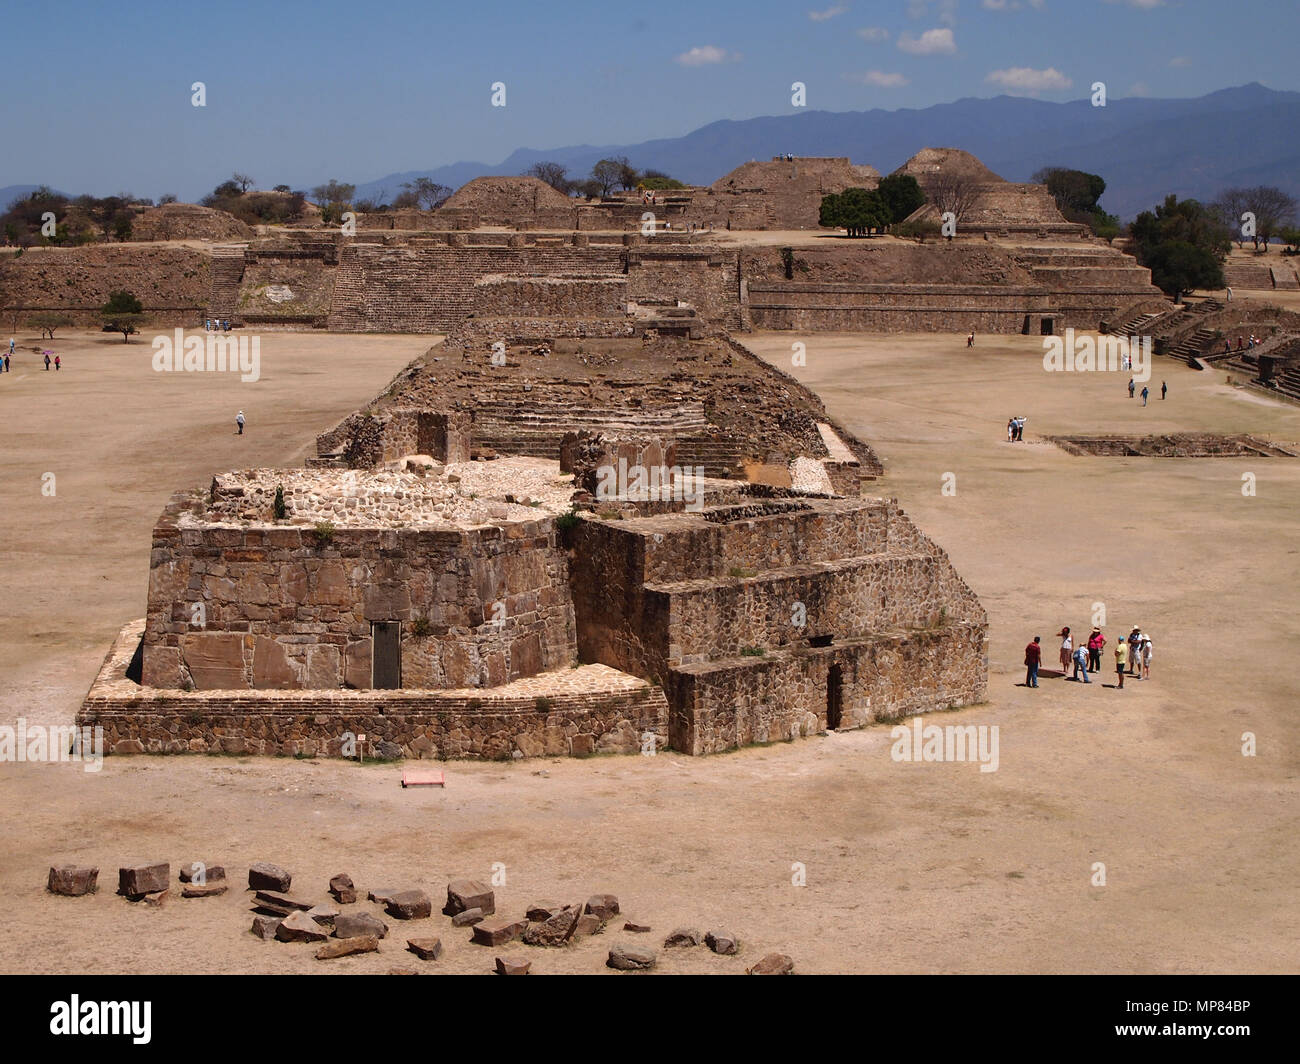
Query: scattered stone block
(683, 936)
(639, 929)
(135, 881)
(772, 964)
(722, 942)
(498, 930)
(299, 927)
(210, 890)
(631, 958)
(266, 876)
(468, 918)
(553, 931)
(465, 894)
(382, 894)
(211, 873)
(265, 926)
(544, 910)
(510, 966)
(602, 905)
(275, 898)
(343, 890)
(354, 925)
(410, 905)
(588, 924)
(427, 949)
(343, 947)
(72, 881)
(325, 915)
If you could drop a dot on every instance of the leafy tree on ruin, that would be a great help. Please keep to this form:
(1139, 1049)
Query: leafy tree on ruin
(243, 181)
(166, 198)
(902, 195)
(1273, 209)
(591, 188)
(333, 193)
(857, 210)
(1076, 193)
(427, 192)
(123, 312)
(608, 173)
(659, 181)
(1290, 236)
(628, 175)
(553, 174)
(1183, 244)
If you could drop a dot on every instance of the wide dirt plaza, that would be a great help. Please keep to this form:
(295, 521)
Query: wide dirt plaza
(909, 867)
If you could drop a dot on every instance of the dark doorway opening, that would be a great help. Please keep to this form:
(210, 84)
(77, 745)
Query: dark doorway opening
(386, 655)
(834, 697)
(1046, 326)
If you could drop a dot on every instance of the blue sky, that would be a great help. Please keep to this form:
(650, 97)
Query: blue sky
(97, 97)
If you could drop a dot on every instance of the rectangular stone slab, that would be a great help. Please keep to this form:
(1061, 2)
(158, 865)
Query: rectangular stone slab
(497, 930)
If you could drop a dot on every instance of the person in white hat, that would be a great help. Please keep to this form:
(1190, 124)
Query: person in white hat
(239, 420)
(1146, 656)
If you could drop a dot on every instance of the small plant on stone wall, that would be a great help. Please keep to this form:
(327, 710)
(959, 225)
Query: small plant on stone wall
(420, 627)
(278, 508)
(567, 520)
(740, 573)
(474, 705)
(324, 533)
(752, 652)
(787, 262)
(543, 704)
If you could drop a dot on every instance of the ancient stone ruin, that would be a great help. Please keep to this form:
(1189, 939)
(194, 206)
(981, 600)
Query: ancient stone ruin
(554, 543)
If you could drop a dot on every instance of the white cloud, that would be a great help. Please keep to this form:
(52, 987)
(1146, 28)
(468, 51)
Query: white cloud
(931, 42)
(1139, 88)
(704, 55)
(829, 13)
(880, 79)
(946, 10)
(1181, 61)
(873, 34)
(1026, 79)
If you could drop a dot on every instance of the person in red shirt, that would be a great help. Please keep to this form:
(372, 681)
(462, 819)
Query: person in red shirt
(1033, 656)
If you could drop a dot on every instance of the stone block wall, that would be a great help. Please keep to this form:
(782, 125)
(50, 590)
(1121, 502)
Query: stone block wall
(280, 608)
(720, 706)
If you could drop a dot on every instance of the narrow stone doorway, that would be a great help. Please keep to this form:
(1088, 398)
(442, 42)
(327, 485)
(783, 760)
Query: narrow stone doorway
(834, 697)
(386, 655)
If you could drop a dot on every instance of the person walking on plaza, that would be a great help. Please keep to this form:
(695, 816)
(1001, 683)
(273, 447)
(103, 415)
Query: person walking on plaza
(1033, 657)
(47, 363)
(1096, 642)
(1130, 388)
(58, 361)
(1121, 659)
(1081, 663)
(1067, 649)
(1145, 392)
(239, 420)
(1164, 389)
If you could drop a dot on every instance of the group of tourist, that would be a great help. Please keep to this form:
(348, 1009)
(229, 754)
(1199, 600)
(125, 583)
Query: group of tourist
(216, 325)
(1132, 653)
(1146, 392)
(1254, 341)
(1015, 429)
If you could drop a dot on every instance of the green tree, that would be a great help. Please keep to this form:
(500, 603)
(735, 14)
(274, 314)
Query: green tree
(659, 181)
(902, 196)
(1183, 245)
(49, 321)
(608, 173)
(857, 210)
(427, 192)
(553, 174)
(333, 193)
(123, 312)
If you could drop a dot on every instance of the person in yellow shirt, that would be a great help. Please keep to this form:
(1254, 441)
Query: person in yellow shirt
(1121, 660)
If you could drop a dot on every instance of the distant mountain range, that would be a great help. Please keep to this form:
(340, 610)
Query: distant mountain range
(12, 192)
(1144, 148)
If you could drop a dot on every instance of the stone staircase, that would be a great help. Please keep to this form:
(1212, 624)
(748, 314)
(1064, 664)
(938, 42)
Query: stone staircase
(1193, 347)
(1284, 277)
(1248, 275)
(227, 275)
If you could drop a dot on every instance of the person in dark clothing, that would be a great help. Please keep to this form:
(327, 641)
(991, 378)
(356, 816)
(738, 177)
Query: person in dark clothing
(1033, 656)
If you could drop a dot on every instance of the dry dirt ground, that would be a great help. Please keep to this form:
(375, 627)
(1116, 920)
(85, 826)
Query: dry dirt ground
(909, 867)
